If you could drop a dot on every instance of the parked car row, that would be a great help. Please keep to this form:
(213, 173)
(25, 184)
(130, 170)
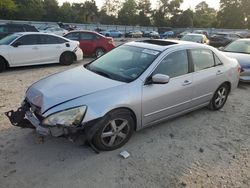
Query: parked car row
(219, 39)
(130, 34)
(32, 48)
(199, 38)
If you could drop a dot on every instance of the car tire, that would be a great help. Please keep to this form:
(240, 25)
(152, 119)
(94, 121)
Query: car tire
(2, 64)
(220, 97)
(115, 129)
(66, 58)
(99, 52)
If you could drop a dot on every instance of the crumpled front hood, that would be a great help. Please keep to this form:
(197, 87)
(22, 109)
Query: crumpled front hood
(65, 86)
(243, 59)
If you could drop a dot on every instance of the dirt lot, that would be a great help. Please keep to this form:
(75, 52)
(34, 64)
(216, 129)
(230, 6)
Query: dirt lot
(200, 149)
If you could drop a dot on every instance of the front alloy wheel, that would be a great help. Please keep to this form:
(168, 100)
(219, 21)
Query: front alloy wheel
(115, 130)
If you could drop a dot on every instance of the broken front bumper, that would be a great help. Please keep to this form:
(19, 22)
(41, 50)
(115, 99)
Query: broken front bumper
(24, 117)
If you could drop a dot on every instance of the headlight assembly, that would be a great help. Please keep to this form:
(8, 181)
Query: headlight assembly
(71, 117)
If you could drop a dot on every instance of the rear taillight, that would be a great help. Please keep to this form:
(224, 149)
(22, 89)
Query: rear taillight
(111, 41)
(239, 69)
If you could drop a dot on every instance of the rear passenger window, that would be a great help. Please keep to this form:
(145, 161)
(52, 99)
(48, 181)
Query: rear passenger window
(175, 64)
(73, 36)
(87, 36)
(47, 39)
(217, 60)
(202, 59)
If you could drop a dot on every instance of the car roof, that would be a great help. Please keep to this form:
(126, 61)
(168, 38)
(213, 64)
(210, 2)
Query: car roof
(196, 34)
(86, 31)
(37, 33)
(162, 45)
(34, 33)
(16, 24)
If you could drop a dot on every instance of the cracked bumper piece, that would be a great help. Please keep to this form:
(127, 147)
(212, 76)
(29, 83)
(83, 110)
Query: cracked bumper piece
(24, 118)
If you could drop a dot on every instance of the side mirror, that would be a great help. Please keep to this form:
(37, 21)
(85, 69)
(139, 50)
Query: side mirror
(158, 79)
(16, 44)
(221, 48)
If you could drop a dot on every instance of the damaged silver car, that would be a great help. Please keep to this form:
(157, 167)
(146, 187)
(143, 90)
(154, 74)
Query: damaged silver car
(134, 86)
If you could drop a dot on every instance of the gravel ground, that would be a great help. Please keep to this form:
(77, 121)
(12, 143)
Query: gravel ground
(201, 149)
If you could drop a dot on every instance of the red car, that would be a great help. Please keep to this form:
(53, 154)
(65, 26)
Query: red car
(92, 43)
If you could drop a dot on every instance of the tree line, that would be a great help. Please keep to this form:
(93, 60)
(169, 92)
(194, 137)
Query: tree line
(166, 13)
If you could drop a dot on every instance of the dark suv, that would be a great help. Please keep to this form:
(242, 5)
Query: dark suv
(6, 29)
(223, 39)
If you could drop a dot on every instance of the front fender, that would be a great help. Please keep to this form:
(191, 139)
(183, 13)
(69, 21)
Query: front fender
(100, 103)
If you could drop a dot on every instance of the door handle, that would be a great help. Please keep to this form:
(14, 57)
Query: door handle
(219, 72)
(187, 82)
(35, 48)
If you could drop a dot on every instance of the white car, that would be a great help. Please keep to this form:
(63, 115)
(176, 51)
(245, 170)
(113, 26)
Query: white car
(56, 30)
(32, 48)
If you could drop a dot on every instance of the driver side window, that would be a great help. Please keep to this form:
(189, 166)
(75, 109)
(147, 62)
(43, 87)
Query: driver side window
(173, 65)
(28, 40)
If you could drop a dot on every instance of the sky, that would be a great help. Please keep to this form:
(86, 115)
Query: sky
(186, 3)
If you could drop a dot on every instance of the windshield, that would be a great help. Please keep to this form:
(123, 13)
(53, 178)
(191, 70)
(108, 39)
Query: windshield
(125, 63)
(8, 39)
(239, 46)
(193, 38)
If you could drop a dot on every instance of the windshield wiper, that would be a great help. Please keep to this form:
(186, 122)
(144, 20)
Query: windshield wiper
(99, 72)
(102, 73)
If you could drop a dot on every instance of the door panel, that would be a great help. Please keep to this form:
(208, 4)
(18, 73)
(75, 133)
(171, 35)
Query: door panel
(162, 100)
(207, 75)
(51, 48)
(87, 43)
(28, 53)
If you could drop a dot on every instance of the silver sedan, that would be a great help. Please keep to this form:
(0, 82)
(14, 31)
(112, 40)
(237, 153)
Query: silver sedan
(134, 86)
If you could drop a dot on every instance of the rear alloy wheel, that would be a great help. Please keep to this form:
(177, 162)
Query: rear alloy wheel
(115, 131)
(2, 64)
(220, 97)
(99, 52)
(66, 58)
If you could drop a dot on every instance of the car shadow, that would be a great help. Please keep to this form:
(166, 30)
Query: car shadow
(243, 85)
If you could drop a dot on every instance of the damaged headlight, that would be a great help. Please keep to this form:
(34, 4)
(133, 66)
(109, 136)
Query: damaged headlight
(70, 117)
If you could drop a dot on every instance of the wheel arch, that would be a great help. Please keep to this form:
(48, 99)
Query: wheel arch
(74, 55)
(99, 47)
(228, 84)
(5, 61)
(127, 109)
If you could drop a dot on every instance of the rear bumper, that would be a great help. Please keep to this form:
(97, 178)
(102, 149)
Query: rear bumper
(245, 75)
(79, 54)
